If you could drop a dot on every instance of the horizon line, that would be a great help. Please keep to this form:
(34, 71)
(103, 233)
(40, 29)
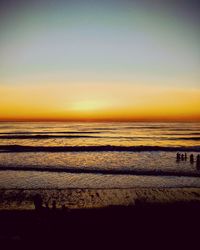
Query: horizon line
(102, 120)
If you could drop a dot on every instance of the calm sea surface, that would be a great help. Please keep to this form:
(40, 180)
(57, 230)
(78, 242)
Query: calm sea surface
(61, 155)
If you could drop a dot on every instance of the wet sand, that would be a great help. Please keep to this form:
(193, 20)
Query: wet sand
(22, 199)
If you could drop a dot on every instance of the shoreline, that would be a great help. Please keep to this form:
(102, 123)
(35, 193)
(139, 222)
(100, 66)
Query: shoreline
(85, 198)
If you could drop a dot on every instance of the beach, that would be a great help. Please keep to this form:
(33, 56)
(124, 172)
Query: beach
(123, 219)
(104, 184)
(76, 198)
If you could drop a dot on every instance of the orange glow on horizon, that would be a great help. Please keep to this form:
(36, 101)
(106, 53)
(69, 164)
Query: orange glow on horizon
(102, 102)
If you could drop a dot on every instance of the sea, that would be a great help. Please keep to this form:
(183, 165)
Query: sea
(56, 155)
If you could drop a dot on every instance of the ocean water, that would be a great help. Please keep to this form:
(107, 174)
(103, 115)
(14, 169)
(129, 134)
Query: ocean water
(98, 155)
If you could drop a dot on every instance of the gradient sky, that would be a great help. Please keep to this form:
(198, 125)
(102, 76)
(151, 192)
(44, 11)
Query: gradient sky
(99, 60)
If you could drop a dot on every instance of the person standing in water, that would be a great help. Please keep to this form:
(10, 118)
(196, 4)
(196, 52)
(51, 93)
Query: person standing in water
(178, 156)
(182, 157)
(191, 158)
(185, 156)
(198, 162)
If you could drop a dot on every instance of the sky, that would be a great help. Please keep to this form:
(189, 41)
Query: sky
(108, 60)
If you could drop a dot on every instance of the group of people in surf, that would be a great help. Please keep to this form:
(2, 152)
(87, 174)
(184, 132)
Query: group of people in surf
(183, 157)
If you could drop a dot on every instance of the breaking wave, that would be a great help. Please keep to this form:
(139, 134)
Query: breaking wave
(108, 148)
(139, 172)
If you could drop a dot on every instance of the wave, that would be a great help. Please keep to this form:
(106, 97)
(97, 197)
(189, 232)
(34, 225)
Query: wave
(49, 132)
(183, 138)
(170, 128)
(184, 129)
(40, 137)
(11, 136)
(109, 129)
(195, 133)
(140, 172)
(19, 148)
(146, 127)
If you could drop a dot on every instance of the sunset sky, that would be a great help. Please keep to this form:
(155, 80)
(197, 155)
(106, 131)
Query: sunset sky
(115, 60)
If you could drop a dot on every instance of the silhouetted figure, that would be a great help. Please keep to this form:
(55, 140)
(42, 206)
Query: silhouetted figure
(185, 157)
(37, 202)
(47, 205)
(198, 162)
(182, 157)
(178, 156)
(191, 158)
(54, 205)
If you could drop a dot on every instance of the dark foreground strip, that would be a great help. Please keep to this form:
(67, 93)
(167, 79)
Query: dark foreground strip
(101, 171)
(144, 226)
(19, 148)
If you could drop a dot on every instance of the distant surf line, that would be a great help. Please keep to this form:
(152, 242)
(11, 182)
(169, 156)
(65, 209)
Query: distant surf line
(106, 148)
(73, 136)
(49, 132)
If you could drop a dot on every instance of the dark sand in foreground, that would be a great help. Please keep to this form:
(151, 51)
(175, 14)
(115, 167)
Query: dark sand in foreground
(165, 218)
